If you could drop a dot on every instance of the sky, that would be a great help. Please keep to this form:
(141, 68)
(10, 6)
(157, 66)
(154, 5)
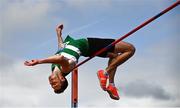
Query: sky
(27, 31)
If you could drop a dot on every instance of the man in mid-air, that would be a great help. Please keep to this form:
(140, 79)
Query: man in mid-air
(71, 49)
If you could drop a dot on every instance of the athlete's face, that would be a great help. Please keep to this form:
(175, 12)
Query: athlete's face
(56, 81)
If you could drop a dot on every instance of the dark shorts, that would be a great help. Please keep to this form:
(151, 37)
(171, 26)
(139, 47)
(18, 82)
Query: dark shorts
(96, 44)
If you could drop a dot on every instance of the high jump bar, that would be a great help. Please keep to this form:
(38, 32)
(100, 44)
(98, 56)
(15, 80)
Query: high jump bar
(74, 95)
(129, 33)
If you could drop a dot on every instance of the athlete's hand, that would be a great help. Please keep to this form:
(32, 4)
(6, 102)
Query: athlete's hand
(59, 28)
(31, 62)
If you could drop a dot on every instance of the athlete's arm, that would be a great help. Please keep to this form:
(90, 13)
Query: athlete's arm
(57, 59)
(59, 36)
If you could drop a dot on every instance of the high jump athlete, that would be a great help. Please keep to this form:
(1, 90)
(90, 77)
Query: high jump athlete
(71, 49)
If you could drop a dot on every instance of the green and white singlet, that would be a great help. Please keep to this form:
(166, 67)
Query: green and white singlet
(73, 49)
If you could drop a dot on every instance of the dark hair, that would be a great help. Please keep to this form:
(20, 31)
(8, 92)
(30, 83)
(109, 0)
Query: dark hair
(63, 87)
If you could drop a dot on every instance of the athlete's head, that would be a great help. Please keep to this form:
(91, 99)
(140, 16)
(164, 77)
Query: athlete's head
(58, 82)
(63, 84)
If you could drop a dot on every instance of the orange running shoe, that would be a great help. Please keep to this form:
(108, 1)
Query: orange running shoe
(113, 92)
(102, 79)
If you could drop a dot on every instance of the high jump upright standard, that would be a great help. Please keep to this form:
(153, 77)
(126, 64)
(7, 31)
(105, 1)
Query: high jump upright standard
(74, 89)
(74, 99)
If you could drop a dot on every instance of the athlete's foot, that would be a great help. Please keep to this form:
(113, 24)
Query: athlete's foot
(113, 92)
(102, 79)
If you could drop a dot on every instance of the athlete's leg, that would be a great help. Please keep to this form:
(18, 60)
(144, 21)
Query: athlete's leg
(122, 52)
(125, 51)
(112, 71)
